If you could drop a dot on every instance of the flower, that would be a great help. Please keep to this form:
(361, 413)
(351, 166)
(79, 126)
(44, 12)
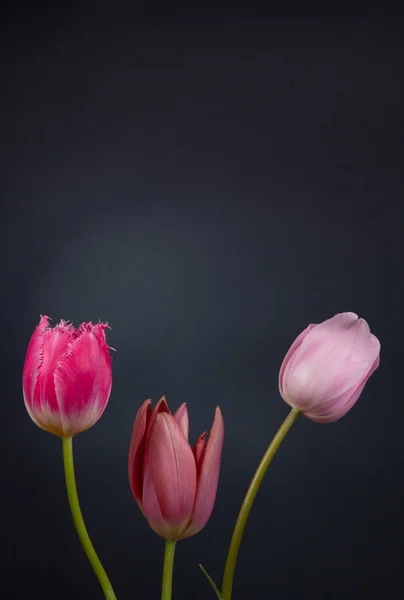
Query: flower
(67, 376)
(175, 486)
(327, 367)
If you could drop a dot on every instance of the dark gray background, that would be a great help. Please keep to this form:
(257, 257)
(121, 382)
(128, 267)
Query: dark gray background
(209, 182)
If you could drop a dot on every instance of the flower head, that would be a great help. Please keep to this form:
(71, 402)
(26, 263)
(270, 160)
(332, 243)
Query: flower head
(175, 486)
(327, 367)
(67, 376)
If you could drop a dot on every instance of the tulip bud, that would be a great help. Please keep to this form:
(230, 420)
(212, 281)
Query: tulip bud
(327, 366)
(174, 486)
(67, 376)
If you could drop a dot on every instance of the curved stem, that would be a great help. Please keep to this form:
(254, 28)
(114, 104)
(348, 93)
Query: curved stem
(248, 502)
(168, 565)
(79, 522)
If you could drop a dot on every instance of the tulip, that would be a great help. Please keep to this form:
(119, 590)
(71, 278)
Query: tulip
(327, 367)
(67, 376)
(175, 486)
(66, 383)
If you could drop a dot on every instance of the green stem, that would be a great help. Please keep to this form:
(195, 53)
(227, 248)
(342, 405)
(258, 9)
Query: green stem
(79, 522)
(248, 502)
(168, 571)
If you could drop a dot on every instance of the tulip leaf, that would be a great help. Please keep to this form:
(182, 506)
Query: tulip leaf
(212, 583)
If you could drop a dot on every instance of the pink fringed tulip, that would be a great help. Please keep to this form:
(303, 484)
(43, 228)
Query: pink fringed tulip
(174, 486)
(327, 366)
(67, 376)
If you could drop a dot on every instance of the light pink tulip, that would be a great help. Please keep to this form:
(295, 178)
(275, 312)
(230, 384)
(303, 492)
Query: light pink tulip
(174, 486)
(67, 376)
(327, 366)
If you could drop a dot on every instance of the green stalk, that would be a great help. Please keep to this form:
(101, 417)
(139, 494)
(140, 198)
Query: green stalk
(168, 565)
(248, 502)
(79, 522)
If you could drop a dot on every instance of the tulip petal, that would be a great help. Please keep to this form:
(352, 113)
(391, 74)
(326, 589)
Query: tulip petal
(153, 513)
(52, 345)
(33, 360)
(292, 350)
(208, 477)
(137, 450)
(161, 407)
(332, 358)
(171, 465)
(34, 357)
(338, 407)
(152, 509)
(199, 451)
(83, 380)
(181, 416)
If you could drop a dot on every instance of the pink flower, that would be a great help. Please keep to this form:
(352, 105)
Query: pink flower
(67, 376)
(174, 486)
(327, 366)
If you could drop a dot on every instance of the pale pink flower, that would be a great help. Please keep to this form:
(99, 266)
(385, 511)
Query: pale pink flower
(327, 367)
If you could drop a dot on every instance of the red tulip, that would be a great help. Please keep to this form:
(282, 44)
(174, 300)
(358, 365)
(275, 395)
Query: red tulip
(327, 367)
(175, 486)
(67, 376)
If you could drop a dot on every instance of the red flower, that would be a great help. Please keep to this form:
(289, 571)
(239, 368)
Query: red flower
(174, 486)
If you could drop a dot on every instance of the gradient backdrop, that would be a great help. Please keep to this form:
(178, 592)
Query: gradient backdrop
(209, 184)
